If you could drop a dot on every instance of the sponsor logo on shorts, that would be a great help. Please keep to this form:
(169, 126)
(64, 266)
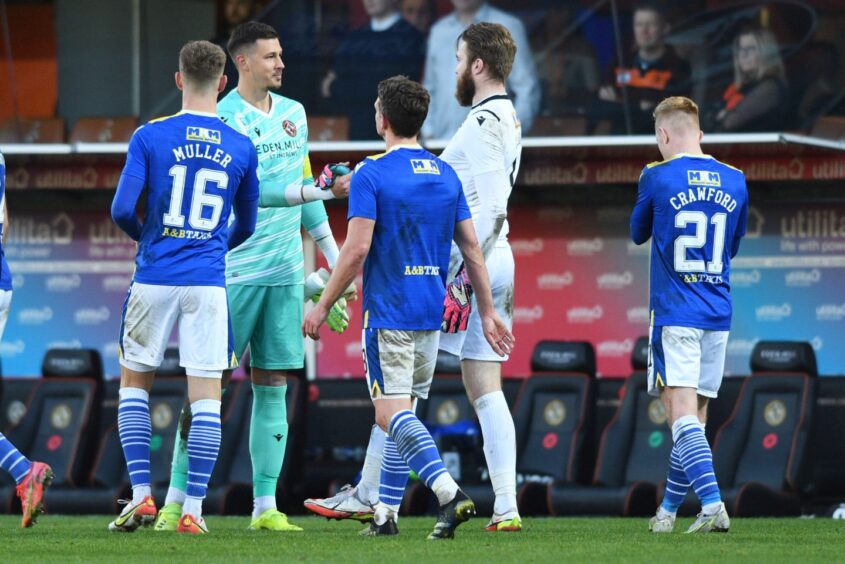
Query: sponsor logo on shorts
(12, 348)
(803, 278)
(830, 312)
(63, 283)
(615, 348)
(745, 278)
(116, 283)
(584, 247)
(614, 280)
(773, 312)
(527, 314)
(555, 280)
(35, 316)
(526, 247)
(91, 316)
(638, 315)
(585, 314)
(740, 347)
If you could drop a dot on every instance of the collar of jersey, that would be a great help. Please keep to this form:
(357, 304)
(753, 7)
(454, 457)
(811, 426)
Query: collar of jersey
(491, 98)
(693, 156)
(254, 108)
(196, 113)
(412, 146)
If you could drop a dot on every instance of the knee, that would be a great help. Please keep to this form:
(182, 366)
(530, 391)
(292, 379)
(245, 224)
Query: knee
(272, 378)
(383, 420)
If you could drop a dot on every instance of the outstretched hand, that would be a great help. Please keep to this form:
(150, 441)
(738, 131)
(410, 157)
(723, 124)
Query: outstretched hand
(497, 334)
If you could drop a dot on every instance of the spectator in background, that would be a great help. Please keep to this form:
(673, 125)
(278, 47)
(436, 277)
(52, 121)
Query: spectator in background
(654, 72)
(445, 115)
(385, 47)
(756, 100)
(419, 13)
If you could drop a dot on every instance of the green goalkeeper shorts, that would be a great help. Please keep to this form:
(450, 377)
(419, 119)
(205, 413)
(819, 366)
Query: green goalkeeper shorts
(269, 320)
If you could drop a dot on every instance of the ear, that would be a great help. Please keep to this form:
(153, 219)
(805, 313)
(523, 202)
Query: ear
(241, 62)
(477, 66)
(222, 84)
(662, 135)
(700, 135)
(178, 78)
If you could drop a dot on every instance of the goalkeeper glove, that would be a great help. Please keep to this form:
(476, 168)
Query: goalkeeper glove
(339, 314)
(330, 172)
(458, 304)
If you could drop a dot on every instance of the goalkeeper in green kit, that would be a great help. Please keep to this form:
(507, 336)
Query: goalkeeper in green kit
(264, 276)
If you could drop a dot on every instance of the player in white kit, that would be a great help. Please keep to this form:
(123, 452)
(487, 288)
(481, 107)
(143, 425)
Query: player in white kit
(485, 153)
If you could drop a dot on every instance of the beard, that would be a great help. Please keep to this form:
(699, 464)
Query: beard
(465, 90)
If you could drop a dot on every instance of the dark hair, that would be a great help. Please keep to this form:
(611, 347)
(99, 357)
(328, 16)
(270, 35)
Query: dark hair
(404, 103)
(201, 62)
(493, 44)
(650, 6)
(248, 33)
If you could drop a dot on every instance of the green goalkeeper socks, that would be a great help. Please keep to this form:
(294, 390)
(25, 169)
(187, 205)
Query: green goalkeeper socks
(179, 466)
(268, 437)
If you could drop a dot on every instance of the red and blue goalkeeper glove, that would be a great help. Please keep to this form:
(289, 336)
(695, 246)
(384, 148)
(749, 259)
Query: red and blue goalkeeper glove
(328, 175)
(457, 305)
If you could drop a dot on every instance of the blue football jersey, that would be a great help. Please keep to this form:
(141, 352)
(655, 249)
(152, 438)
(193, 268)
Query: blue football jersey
(415, 200)
(695, 209)
(194, 166)
(5, 276)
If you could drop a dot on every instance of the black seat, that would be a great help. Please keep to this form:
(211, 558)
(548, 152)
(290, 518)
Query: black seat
(759, 452)
(633, 456)
(825, 483)
(17, 395)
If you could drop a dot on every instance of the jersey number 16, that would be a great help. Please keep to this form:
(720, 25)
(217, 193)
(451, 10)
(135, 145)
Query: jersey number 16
(199, 198)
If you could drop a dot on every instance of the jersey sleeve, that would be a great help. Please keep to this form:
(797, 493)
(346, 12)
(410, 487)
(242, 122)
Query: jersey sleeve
(462, 212)
(362, 195)
(137, 157)
(642, 216)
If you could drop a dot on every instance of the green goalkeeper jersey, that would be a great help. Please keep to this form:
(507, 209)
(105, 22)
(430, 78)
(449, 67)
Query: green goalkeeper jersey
(272, 256)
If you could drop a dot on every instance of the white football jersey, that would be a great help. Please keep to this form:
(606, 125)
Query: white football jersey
(489, 141)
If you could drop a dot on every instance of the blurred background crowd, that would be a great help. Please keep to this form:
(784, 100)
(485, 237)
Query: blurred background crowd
(583, 67)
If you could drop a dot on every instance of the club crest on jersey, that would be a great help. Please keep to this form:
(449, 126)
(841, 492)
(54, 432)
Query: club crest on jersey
(290, 127)
(203, 134)
(424, 166)
(703, 178)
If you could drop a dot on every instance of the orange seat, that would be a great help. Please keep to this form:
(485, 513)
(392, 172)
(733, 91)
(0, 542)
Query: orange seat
(103, 130)
(33, 130)
(328, 128)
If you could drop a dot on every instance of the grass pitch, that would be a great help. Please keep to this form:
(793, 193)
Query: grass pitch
(85, 539)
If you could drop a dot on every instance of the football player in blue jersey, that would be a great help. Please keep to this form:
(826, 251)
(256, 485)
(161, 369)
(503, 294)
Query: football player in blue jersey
(405, 208)
(694, 209)
(31, 477)
(196, 172)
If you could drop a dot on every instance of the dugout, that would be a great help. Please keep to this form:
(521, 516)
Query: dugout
(578, 277)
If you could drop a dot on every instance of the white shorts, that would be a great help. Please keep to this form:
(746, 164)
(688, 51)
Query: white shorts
(399, 363)
(683, 357)
(5, 305)
(471, 344)
(205, 335)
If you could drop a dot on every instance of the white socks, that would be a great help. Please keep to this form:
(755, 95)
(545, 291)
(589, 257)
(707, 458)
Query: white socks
(140, 492)
(445, 488)
(371, 472)
(262, 503)
(192, 506)
(499, 450)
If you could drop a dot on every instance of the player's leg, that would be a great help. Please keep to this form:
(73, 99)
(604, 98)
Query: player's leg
(205, 351)
(390, 365)
(482, 375)
(243, 314)
(275, 348)
(30, 477)
(148, 316)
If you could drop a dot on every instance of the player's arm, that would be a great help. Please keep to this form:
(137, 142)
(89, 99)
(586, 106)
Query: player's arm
(132, 182)
(245, 205)
(643, 215)
(495, 331)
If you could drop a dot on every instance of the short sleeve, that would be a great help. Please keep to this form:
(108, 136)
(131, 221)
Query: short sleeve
(137, 157)
(362, 194)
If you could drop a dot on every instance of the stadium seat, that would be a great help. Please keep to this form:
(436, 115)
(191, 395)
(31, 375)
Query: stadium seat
(551, 418)
(17, 394)
(33, 130)
(328, 128)
(826, 485)
(759, 452)
(633, 456)
(103, 130)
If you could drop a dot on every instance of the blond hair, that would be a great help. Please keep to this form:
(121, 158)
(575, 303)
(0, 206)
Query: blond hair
(771, 65)
(677, 106)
